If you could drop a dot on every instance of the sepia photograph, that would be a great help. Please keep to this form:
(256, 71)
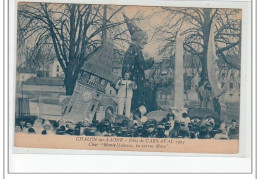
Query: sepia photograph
(128, 78)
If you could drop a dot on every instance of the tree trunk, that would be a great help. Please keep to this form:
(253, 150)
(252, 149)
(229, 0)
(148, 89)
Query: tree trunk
(69, 84)
(206, 27)
(206, 31)
(70, 81)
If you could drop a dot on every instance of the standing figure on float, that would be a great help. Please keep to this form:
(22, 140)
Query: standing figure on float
(135, 64)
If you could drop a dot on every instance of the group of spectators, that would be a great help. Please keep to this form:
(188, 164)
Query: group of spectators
(168, 127)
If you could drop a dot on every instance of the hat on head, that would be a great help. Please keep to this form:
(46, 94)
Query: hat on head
(160, 127)
(132, 27)
(135, 122)
(46, 122)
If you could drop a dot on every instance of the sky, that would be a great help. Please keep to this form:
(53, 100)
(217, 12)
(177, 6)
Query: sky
(153, 18)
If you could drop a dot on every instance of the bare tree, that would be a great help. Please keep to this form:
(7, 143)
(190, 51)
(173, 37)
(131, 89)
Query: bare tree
(72, 30)
(195, 24)
(38, 59)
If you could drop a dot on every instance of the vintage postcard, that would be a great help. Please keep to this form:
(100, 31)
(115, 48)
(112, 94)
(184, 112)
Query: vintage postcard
(128, 78)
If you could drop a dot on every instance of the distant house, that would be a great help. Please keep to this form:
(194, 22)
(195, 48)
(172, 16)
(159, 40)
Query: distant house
(24, 73)
(55, 69)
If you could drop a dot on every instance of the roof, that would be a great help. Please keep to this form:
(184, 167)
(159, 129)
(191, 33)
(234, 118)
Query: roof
(51, 81)
(26, 70)
(100, 64)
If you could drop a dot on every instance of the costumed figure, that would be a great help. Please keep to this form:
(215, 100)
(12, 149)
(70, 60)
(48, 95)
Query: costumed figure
(135, 64)
(125, 92)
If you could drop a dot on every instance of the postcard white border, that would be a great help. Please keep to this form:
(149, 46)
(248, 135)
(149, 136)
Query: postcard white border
(245, 121)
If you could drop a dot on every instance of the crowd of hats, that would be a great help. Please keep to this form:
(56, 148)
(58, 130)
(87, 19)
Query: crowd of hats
(110, 126)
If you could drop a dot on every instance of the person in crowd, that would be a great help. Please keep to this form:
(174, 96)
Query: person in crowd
(76, 130)
(160, 131)
(217, 106)
(69, 127)
(31, 130)
(113, 131)
(151, 130)
(167, 129)
(221, 135)
(125, 123)
(22, 125)
(125, 93)
(211, 127)
(203, 133)
(124, 132)
(18, 129)
(146, 133)
(171, 119)
(105, 127)
(194, 128)
(61, 130)
(85, 122)
(139, 132)
(91, 131)
(38, 125)
(61, 122)
(47, 128)
(184, 125)
(28, 125)
(233, 132)
(204, 92)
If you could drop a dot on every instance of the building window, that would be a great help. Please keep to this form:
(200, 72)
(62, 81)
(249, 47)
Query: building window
(58, 68)
(70, 109)
(231, 85)
(65, 109)
(222, 84)
(103, 82)
(98, 80)
(85, 76)
(22, 77)
(93, 79)
(92, 108)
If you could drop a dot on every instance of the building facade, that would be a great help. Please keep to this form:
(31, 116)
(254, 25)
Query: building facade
(55, 69)
(91, 85)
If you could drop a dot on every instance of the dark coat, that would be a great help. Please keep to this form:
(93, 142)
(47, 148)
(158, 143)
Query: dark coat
(150, 96)
(135, 64)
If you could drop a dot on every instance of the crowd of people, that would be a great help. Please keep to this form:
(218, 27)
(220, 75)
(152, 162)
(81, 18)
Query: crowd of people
(118, 126)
